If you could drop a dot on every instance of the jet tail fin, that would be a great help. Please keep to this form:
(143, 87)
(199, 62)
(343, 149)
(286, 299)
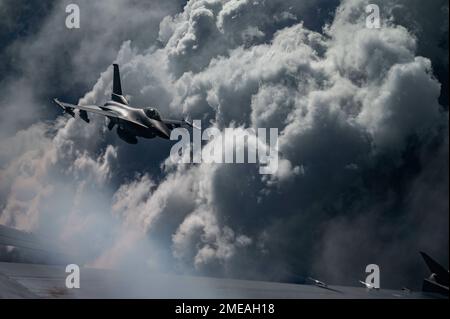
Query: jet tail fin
(117, 86)
(441, 274)
(117, 94)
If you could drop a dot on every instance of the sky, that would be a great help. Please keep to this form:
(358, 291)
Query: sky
(362, 116)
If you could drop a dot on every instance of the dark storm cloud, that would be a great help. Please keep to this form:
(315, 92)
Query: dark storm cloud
(10, 31)
(363, 147)
(55, 61)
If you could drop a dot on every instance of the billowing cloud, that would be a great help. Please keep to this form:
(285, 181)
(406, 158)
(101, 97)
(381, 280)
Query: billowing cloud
(363, 145)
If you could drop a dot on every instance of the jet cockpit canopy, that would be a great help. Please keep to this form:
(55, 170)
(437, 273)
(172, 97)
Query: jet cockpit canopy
(152, 113)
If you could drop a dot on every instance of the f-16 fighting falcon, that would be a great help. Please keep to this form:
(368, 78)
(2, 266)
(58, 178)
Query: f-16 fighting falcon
(131, 122)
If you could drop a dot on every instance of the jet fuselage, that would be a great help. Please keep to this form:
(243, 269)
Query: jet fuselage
(130, 130)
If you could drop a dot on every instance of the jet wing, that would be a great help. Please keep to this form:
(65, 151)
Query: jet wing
(97, 110)
(178, 123)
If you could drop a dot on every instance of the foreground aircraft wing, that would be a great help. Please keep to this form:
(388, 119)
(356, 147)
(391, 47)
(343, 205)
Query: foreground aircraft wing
(48, 281)
(30, 246)
(67, 107)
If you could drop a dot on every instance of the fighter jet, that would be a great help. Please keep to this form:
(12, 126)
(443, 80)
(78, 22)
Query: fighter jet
(439, 279)
(131, 122)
